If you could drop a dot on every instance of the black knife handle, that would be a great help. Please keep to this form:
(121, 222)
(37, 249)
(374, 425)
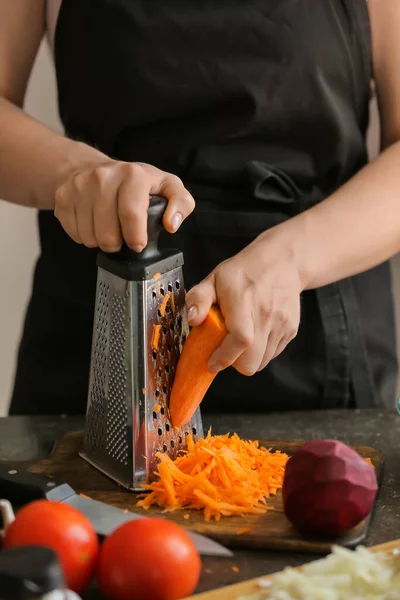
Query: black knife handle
(21, 487)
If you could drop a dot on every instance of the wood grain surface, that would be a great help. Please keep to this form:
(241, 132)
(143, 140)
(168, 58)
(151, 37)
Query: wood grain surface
(270, 531)
(247, 588)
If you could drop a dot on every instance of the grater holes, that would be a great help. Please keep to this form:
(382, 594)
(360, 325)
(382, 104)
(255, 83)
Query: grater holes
(194, 430)
(95, 432)
(117, 412)
(171, 322)
(154, 295)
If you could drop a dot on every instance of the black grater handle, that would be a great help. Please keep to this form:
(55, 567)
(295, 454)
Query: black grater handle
(156, 211)
(139, 266)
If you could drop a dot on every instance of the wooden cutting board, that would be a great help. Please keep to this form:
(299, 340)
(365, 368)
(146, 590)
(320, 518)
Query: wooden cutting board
(270, 531)
(251, 586)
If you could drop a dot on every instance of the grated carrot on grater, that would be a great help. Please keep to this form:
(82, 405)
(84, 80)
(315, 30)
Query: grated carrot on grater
(164, 305)
(155, 339)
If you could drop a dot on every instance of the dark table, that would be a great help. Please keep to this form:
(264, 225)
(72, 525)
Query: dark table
(31, 438)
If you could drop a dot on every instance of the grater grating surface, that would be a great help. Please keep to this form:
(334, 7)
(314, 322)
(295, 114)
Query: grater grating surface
(167, 332)
(117, 413)
(139, 329)
(95, 435)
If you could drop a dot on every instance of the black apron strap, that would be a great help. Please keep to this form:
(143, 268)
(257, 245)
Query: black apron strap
(337, 383)
(348, 371)
(361, 374)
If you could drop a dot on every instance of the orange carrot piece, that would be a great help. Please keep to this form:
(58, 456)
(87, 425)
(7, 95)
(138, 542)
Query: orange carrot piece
(155, 337)
(192, 377)
(156, 276)
(156, 408)
(243, 531)
(173, 303)
(164, 305)
(369, 461)
(219, 475)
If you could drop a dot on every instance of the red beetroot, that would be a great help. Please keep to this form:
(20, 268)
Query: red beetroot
(328, 488)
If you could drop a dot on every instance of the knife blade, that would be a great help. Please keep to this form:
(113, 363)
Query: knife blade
(21, 487)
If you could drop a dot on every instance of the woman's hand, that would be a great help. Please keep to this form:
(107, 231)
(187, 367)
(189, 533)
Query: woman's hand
(104, 204)
(258, 292)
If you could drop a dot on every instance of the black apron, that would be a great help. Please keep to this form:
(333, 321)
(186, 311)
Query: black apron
(261, 107)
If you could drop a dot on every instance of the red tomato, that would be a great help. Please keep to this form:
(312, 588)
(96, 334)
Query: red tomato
(148, 559)
(64, 529)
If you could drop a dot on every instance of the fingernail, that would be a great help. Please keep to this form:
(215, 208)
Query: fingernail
(137, 248)
(176, 221)
(192, 313)
(215, 368)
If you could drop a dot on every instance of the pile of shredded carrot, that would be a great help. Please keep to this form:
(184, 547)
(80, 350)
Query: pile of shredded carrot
(222, 475)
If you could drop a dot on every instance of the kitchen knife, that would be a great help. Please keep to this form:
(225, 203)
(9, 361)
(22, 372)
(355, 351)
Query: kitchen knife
(21, 487)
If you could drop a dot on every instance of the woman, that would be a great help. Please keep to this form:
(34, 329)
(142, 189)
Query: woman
(260, 109)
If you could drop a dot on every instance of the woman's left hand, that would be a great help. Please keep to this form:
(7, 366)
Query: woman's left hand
(258, 293)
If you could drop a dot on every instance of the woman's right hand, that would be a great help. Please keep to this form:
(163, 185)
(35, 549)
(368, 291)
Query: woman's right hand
(106, 204)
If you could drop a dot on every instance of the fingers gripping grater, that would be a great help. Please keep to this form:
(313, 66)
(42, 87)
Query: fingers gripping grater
(140, 326)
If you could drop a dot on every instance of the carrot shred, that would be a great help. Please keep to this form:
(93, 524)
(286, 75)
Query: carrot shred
(155, 337)
(156, 276)
(220, 475)
(173, 303)
(156, 408)
(243, 531)
(235, 569)
(369, 461)
(144, 390)
(164, 305)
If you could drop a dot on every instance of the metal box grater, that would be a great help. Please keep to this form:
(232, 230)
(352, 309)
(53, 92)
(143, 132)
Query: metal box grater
(140, 326)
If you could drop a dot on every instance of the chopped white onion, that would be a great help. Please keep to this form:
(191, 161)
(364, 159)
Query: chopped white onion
(342, 575)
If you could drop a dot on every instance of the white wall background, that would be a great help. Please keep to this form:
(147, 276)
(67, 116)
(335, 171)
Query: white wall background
(18, 234)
